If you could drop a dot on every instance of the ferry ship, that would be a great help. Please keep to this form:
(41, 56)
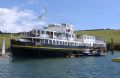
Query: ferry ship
(56, 40)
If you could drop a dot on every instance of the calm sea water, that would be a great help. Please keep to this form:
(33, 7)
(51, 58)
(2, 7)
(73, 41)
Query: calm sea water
(81, 67)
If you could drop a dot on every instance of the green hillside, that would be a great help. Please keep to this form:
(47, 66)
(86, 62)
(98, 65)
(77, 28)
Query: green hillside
(7, 39)
(106, 34)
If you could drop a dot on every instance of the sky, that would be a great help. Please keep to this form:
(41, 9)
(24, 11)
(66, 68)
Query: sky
(23, 15)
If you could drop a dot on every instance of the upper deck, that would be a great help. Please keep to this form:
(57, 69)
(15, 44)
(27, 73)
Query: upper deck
(63, 33)
(54, 31)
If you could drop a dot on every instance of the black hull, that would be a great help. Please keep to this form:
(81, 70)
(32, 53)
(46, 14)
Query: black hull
(23, 49)
(41, 53)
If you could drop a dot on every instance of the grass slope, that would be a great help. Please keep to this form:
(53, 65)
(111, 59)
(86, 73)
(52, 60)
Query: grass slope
(106, 34)
(7, 39)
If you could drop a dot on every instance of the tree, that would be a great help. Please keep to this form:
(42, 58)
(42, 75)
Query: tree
(0, 32)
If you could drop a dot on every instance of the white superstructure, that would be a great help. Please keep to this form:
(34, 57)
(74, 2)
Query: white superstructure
(89, 40)
(59, 34)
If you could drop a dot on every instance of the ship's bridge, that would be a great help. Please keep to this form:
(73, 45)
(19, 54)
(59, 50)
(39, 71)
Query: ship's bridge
(63, 27)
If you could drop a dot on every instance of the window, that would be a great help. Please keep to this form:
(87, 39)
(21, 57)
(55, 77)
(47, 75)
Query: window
(72, 43)
(65, 43)
(43, 32)
(46, 41)
(38, 31)
(34, 31)
(47, 32)
(87, 37)
(42, 41)
(53, 41)
(75, 44)
(79, 44)
(50, 41)
(72, 36)
(60, 43)
(63, 25)
(57, 42)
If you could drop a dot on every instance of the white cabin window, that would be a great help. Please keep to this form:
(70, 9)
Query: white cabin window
(72, 43)
(48, 41)
(57, 42)
(69, 43)
(75, 44)
(87, 37)
(60, 43)
(79, 44)
(44, 41)
(72, 36)
(38, 31)
(42, 32)
(53, 41)
(63, 43)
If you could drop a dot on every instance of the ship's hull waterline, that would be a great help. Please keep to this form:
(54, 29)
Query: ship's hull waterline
(38, 52)
(22, 50)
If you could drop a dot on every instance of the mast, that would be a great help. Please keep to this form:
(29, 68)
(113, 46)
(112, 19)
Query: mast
(3, 47)
(112, 45)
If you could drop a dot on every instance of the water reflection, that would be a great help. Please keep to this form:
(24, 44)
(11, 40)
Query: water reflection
(81, 67)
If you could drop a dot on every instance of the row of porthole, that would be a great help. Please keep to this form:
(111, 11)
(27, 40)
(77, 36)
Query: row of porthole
(66, 43)
(55, 42)
(93, 38)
